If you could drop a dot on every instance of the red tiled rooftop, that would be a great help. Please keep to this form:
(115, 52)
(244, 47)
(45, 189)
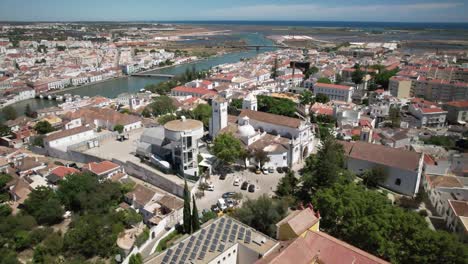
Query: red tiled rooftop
(62, 171)
(102, 167)
(461, 104)
(186, 89)
(319, 247)
(333, 86)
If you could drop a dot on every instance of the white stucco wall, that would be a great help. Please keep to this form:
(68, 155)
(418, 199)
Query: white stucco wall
(409, 179)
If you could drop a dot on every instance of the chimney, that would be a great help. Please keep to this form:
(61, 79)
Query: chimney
(310, 206)
(317, 214)
(183, 118)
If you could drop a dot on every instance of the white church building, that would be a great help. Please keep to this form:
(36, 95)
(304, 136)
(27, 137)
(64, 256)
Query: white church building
(286, 140)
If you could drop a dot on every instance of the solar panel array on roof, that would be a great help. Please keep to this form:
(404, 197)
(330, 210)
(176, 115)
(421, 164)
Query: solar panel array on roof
(221, 247)
(214, 238)
(248, 236)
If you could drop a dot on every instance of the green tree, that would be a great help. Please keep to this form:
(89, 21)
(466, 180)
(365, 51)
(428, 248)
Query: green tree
(322, 98)
(4, 130)
(195, 216)
(5, 210)
(93, 235)
(326, 168)
(261, 157)
(306, 97)
(357, 76)
(274, 69)
(395, 116)
(324, 80)
(203, 113)
(367, 220)
(161, 105)
(119, 128)
(383, 77)
(187, 215)
(277, 106)
(227, 148)
(166, 118)
(207, 216)
(374, 177)
(287, 185)
(84, 192)
(9, 113)
(237, 103)
(262, 214)
(43, 127)
(44, 205)
(311, 71)
(136, 259)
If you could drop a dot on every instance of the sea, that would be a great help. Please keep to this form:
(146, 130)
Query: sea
(330, 24)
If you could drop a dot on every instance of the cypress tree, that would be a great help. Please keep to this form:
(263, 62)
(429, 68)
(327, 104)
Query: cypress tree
(187, 216)
(195, 219)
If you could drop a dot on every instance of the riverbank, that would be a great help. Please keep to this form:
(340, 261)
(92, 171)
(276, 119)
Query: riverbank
(111, 88)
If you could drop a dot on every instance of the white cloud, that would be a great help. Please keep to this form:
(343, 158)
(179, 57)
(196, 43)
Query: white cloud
(322, 12)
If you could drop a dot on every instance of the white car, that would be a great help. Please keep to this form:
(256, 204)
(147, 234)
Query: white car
(265, 170)
(236, 182)
(210, 187)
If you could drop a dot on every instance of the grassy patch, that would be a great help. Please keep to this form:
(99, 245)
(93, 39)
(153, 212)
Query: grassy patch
(168, 241)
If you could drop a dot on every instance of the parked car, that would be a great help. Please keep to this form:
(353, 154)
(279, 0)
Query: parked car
(286, 169)
(258, 171)
(236, 182)
(244, 185)
(222, 176)
(210, 187)
(215, 208)
(271, 170)
(230, 203)
(251, 188)
(265, 170)
(228, 194)
(279, 169)
(221, 204)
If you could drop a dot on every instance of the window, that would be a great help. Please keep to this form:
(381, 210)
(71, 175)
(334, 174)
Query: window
(224, 258)
(229, 255)
(398, 182)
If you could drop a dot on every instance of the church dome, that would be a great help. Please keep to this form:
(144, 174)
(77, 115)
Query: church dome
(246, 130)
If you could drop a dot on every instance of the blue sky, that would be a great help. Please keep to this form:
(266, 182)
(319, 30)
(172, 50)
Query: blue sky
(159, 10)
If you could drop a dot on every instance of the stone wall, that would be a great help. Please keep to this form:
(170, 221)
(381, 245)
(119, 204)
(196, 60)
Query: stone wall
(151, 177)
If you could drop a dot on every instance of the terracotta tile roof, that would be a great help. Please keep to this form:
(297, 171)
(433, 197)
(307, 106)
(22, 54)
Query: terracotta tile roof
(101, 167)
(460, 104)
(333, 86)
(459, 207)
(89, 115)
(444, 181)
(171, 202)
(199, 91)
(432, 110)
(62, 171)
(300, 220)
(68, 132)
(141, 194)
(397, 158)
(271, 118)
(319, 247)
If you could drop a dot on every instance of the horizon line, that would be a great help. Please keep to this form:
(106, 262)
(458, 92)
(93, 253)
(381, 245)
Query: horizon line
(230, 20)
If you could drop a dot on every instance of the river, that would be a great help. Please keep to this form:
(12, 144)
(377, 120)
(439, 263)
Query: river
(112, 88)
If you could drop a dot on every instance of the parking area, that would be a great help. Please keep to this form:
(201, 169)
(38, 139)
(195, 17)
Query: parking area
(264, 184)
